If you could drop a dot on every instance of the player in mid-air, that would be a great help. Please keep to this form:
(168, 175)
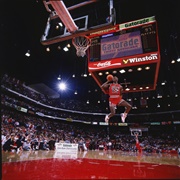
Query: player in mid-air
(114, 90)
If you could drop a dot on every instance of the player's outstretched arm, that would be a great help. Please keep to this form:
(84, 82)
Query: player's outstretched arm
(105, 85)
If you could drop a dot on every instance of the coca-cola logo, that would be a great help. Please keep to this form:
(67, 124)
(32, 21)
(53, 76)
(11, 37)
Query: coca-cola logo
(104, 65)
(107, 63)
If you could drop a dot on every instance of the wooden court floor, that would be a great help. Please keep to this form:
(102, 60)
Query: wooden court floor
(50, 165)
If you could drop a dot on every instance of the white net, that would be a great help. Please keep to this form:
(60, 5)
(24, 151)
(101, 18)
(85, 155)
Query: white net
(136, 132)
(81, 43)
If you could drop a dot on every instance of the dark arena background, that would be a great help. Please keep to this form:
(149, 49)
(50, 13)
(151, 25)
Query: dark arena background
(53, 107)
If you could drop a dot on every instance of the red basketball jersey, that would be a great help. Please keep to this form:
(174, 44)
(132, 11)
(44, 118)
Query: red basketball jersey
(114, 89)
(115, 94)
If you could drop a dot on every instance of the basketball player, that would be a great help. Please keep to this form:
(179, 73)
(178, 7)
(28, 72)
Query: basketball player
(115, 98)
(138, 146)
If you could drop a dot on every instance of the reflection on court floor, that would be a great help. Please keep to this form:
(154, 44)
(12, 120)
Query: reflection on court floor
(89, 165)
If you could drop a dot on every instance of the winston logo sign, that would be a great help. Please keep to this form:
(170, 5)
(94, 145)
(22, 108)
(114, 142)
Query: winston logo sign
(151, 57)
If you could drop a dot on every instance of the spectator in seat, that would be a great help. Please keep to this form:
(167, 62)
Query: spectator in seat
(27, 145)
(10, 145)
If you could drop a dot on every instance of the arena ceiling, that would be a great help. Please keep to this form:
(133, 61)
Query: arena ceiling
(23, 23)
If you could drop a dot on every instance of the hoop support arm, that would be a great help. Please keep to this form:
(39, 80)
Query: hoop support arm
(64, 15)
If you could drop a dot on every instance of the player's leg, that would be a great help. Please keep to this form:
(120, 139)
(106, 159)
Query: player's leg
(112, 108)
(127, 109)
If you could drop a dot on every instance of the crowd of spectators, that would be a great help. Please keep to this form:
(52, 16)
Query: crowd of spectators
(23, 133)
(71, 104)
(14, 101)
(26, 131)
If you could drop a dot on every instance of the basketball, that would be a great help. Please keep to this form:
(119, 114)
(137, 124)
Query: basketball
(109, 77)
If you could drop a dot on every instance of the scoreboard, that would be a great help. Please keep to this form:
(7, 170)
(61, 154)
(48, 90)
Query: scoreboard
(123, 46)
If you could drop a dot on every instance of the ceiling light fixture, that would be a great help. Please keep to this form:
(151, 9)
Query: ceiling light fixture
(130, 70)
(65, 49)
(139, 69)
(59, 77)
(122, 71)
(147, 68)
(60, 24)
(178, 59)
(47, 49)
(173, 61)
(28, 53)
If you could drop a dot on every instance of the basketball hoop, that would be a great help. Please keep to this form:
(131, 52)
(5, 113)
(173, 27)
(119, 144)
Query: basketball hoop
(81, 43)
(136, 132)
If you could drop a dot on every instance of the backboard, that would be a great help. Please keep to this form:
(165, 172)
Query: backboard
(68, 19)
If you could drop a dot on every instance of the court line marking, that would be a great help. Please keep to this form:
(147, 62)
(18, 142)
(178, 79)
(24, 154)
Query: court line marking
(93, 162)
(116, 165)
(139, 165)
